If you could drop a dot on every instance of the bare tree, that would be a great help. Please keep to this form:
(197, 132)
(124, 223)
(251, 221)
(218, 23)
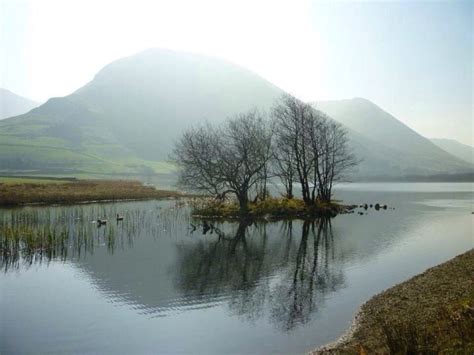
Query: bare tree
(284, 165)
(335, 158)
(310, 148)
(231, 158)
(293, 154)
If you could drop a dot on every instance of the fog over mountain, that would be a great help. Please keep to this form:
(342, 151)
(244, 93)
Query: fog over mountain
(12, 104)
(397, 149)
(462, 151)
(129, 115)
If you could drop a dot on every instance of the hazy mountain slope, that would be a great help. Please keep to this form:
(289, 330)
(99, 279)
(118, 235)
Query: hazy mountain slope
(127, 118)
(453, 147)
(168, 91)
(134, 109)
(12, 104)
(410, 153)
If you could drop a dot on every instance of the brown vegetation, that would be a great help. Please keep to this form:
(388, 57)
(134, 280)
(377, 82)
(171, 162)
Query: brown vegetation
(274, 208)
(431, 313)
(12, 194)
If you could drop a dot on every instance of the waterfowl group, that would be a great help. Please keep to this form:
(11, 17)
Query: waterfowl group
(103, 221)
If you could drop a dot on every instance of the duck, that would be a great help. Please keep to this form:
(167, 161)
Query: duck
(101, 221)
(119, 218)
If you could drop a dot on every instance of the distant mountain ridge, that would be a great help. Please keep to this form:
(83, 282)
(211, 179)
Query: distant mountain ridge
(127, 118)
(12, 104)
(453, 147)
(408, 152)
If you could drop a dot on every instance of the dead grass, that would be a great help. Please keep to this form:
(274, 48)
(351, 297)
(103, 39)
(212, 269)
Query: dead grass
(429, 314)
(12, 194)
(271, 207)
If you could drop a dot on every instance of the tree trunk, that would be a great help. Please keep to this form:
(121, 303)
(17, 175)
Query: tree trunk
(243, 203)
(289, 190)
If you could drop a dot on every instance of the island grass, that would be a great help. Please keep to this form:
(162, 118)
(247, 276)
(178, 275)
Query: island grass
(20, 193)
(431, 313)
(276, 208)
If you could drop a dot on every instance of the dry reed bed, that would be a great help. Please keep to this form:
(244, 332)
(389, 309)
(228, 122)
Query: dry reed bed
(79, 191)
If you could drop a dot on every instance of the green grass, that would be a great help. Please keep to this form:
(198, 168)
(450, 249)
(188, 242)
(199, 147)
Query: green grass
(44, 159)
(43, 144)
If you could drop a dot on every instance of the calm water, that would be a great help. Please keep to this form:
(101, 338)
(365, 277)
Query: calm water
(150, 284)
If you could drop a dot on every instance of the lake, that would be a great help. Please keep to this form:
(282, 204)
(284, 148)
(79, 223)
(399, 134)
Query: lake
(153, 283)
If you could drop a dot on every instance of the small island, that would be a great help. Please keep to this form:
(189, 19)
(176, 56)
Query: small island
(234, 162)
(271, 209)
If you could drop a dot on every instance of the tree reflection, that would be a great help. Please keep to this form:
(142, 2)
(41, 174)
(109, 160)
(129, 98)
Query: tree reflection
(313, 274)
(287, 278)
(225, 263)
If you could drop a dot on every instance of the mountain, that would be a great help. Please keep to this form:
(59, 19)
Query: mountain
(127, 118)
(453, 147)
(12, 104)
(389, 147)
(131, 113)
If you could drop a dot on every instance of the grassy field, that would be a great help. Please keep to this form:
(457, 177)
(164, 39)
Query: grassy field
(20, 191)
(432, 313)
(43, 158)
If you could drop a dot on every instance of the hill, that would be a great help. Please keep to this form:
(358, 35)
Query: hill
(12, 104)
(389, 147)
(453, 147)
(127, 118)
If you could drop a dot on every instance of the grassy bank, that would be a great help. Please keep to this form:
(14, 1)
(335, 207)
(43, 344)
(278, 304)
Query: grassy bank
(429, 314)
(18, 192)
(272, 207)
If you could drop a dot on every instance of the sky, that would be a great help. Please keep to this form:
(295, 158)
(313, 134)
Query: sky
(412, 58)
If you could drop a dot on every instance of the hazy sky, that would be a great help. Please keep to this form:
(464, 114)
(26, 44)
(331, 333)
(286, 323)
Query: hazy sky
(414, 59)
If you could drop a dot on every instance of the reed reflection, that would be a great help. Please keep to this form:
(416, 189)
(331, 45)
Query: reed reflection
(39, 235)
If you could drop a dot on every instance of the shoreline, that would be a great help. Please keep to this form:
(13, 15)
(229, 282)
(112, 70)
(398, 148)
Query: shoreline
(417, 314)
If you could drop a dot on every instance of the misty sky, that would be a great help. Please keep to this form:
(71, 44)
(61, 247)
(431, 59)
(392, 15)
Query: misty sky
(413, 59)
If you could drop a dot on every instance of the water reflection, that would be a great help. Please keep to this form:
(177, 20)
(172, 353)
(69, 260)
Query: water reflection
(278, 270)
(38, 235)
(315, 272)
(290, 277)
(261, 288)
